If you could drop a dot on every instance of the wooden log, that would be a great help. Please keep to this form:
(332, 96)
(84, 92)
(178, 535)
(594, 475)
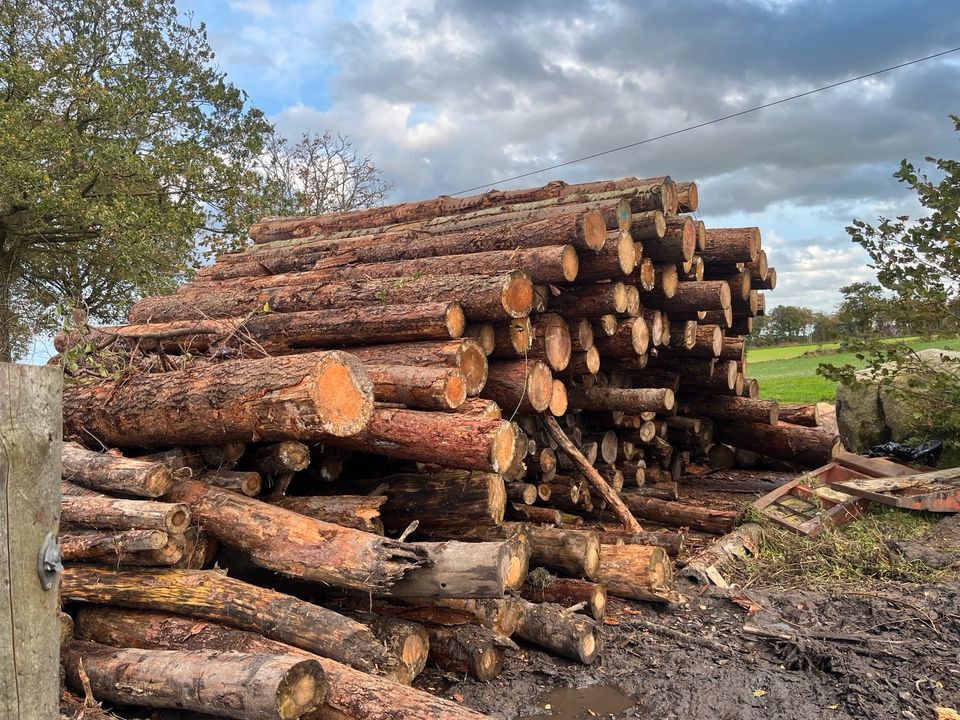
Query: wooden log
(618, 256)
(120, 547)
(464, 441)
(300, 397)
(199, 549)
(688, 198)
(581, 335)
(683, 334)
(626, 399)
(117, 514)
(465, 355)
(296, 545)
(679, 514)
(279, 458)
(768, 283)
(360, 512)
(200, 594)
(590, 301)
(183, 462)
(460, 570)
(678, 243)
(512, 339)
(245, 482)
(637, 572)
(804, 446)
(558, 399)
(541, 298)
(535, 513)
(521, 492)
(704, 567)
(590, 474)
(113, 473)
(591, 596)
(223, 455)
(351, 693)
(233, 685)
(671, 542)
(480, 407)
(630, 338)
(573, 552)
(519, 385)
(584, 363)
(691, 297)
(728, 407)
(731, 245)
(501, 615)
(568, 634)
(647, 225)
(483, 334)
(806, 414)
(426, 388)
(551, 340)
(465, 649)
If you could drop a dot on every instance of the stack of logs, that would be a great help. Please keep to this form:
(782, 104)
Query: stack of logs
(378, 421)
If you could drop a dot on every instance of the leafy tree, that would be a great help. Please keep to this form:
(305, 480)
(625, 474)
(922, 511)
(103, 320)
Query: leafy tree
(121, 146)
(826, 327)
(789, 323)
(918, 261)
(864, 310)
(320, 173)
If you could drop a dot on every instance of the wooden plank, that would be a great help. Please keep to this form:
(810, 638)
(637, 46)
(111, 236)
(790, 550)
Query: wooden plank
(30, 440)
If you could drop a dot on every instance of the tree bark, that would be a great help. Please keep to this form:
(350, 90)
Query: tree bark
(630, 339)
(245, 482)
(201, 593)
(590, 301)
(351, 694)
(691, 297)
(465, 649)
(360, 512)
(626, 399)
(805, 446)
(423, 388)
(451, 439)
(677, 244)
(299, 397)
(116, 514)
(574, 552)
(233, 685)
(567, 592)
(671, 542)
(637, 572)
(806, 414)
(112, 473)
(731, 245)
(568, 634)
(512, 339)
(459, 570)
(465, 355)
(679, 514)
(617, 257)
(519, 385)
(728, 407)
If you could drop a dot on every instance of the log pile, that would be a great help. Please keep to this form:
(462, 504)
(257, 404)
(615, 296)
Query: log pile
(380, 422)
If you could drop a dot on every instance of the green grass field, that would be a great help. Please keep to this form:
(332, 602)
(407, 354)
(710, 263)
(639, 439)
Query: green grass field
(786, 376)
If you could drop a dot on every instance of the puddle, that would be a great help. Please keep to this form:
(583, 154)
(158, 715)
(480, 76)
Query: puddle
(600, 701)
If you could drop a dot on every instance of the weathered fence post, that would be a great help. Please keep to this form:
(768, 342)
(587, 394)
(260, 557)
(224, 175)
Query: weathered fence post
(30, 437)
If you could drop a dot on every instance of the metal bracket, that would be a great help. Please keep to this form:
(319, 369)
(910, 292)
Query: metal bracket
(48, 561)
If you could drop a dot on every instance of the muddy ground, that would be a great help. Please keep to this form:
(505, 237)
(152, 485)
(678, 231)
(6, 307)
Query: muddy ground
(887, 651)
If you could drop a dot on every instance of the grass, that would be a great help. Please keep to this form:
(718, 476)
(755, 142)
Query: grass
(853, 554)
(786, 376)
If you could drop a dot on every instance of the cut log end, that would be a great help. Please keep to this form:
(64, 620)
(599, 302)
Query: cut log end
(626, 253)
(343, 394)
(455, 320)
(558, 399)
(517, 295)
(301, 690)
(455, 392)
(570, 263)
(539, 385)
(504, 446)
(594, 230)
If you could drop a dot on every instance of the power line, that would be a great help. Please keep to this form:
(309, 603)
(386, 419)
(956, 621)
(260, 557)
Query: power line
(711, 122)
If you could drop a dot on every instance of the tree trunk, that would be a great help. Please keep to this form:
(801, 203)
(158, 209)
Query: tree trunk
(424, 388)
(296, 545)
(462, 441)
(121, 547)
(244, 482)
(299, 397)
(233, 685)
(116, 514)
(574, 552)
(113, 473)
(550, 341)
(200, 594)
(278, 458)
(512, 339)
(360, 512)
(590, 301)
(727, 407)
(465, 649)
(351, 694)
(617, 257)
(465, 355)
(677, 244)
(681, 514)
(731, 245)
(809, 447)
(691, 297)
(568, 634)
(671, 542)
(459, 570)
(630, 339)
(806, 414)
(626, 399)
(688, 198)
(564, 591)
(519, 385)
(637, 572)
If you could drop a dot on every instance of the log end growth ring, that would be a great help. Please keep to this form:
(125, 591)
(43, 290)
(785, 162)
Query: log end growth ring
(343, 394)
(517, 295)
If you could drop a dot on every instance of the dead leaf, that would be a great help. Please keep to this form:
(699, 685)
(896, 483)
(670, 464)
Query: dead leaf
(458, 697)
(759, 693)
(610, 621)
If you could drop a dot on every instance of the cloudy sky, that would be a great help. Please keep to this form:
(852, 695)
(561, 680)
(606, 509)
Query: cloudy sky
(448, 95)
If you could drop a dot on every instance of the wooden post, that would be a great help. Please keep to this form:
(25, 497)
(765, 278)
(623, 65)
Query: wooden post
(30, 438)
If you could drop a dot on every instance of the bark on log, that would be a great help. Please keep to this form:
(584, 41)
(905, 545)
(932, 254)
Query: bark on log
(463, 441)
(465, 649)
(351, 693)
(535, 513)
(121, 547)
(512, 339)
(805, 446)
(647, 225)
(424, 388)
(298, 397)
(618, 256)
(201, 593)
(521, 492)
(679, 514)
(551, 341)
(465, 355)
(806, 414)
(244, 482)
(117, 514)
(727, 407)
(590, 301)
(360, 512)
(671, 542)
(296, 545)
(584, 363)
(691, 297)
(112, 473)
(227, 684)
(678, 243)
(567, 592)
(223, 455)
(637, 572)
(519, 385)
(278, 458)
(742, 541)
(459, 570)
(630, 339)
(574, 552)
(731, 245)
(626, 399)
(570, 635)
(688, 199)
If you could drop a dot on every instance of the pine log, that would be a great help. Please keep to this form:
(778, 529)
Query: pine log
(117, 514)
(804, 446)
(574, 552)
(551, 341)
(541, 298)
(687, 197)
(581, 335)
(679, 514)
(678, 243)
(201, 594)
(567, 592)
(459, 570)
(728, 407)
(626, 399)
(226, 684)
(465, 649)
(297, 397)
(465, 355)
(646, 277)
(113, 473)
(535, 513)
(512, 339)
(519, 385)
(279, 458)
(406, 640)
(683, 334)
(806, 414)
(296, 545)
(199, 549)
(637, 572)
(480, 407)
(246, 482)
(570, 635)
(606, 326)
(360, 512)
(521, 492)
(223, 455)
(742, 541)
(426, 388)
(618, 256)
(584, 363)
(120, 547)
(731, 245)
(671, 542)
(483, 334)
(647, 225)
(631, 338)
(558, 399)
(691, 297)
(590, 301)
(767, 283)
(463, 441)
(501, 615)
(181, 461)
(351, 694)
